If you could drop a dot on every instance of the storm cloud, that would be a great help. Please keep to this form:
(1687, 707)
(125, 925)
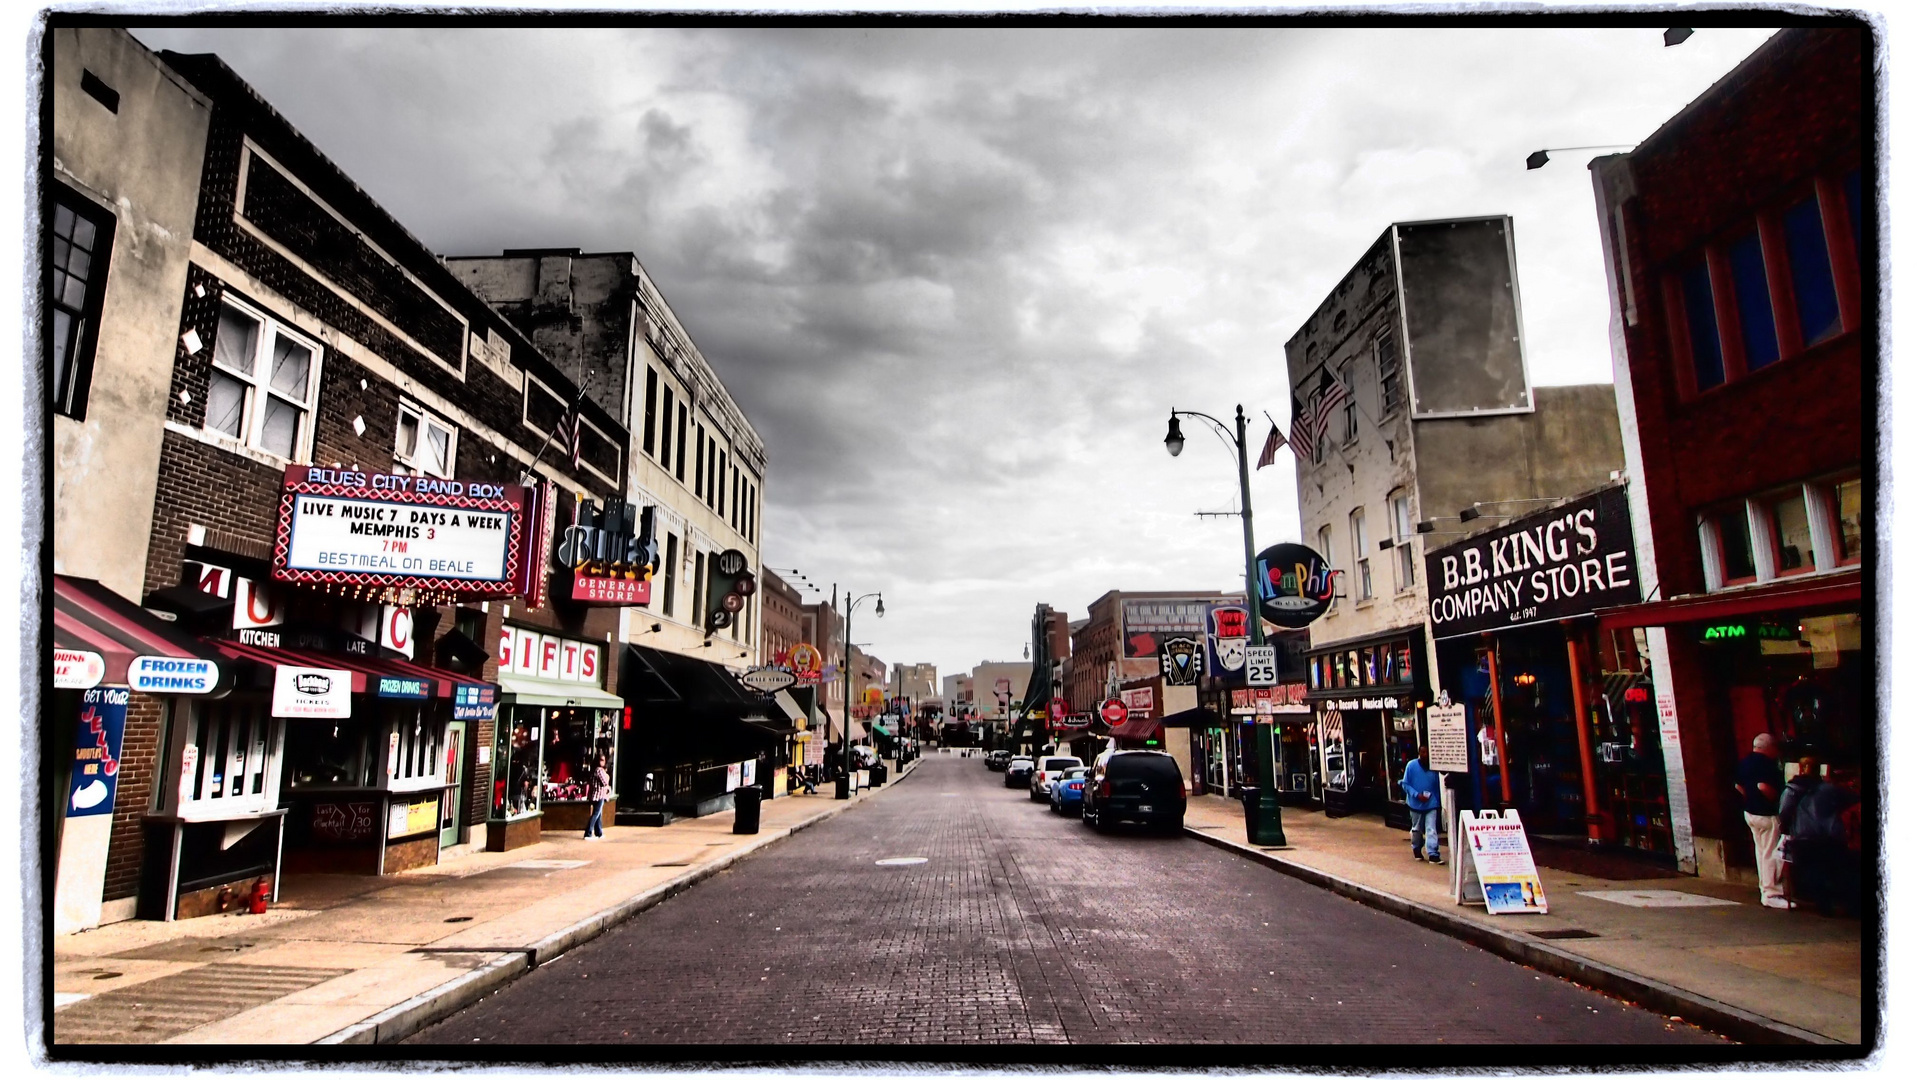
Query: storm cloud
(956, 276)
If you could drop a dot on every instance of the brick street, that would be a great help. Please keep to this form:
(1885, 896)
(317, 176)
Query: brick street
(1024, 927)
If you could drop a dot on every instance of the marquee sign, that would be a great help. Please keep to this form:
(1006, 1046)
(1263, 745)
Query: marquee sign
(353, 528)
(1562, 562)
(77, 669)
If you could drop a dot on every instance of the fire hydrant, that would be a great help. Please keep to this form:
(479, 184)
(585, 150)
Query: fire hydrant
(256, 904)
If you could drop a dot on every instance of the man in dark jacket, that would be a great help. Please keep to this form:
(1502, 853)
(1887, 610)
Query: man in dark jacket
(1824, 852)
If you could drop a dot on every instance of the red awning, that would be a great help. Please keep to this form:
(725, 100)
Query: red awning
(89, 617)
(1789, 595)
(439, 682)
(1140, 729)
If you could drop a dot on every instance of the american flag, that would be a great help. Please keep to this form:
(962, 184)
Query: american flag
(1301, 431)
(1331, 394)
(1272, 442)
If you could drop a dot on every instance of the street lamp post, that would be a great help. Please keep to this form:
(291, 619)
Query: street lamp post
(1270, 826)
(844, 789)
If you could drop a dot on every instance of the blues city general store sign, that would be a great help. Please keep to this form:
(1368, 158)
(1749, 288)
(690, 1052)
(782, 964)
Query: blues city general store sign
(1565, 561)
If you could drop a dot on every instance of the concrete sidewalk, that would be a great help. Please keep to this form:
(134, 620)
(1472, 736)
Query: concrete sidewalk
(372, 959)
(1752, 973)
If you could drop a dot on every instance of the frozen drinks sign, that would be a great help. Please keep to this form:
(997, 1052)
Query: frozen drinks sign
(341, 526)
(1566, 561)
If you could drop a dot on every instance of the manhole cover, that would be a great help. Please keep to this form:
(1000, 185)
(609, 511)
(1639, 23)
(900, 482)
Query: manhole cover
(1648, 898)
(903, 860)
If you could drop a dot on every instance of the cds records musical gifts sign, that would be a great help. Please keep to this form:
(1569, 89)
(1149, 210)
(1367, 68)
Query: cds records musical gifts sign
(348, 527)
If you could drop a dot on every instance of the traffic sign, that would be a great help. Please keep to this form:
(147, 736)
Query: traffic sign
(1113, 711)
(1261, 665)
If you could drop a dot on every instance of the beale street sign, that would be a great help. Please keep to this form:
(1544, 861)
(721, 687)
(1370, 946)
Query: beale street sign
(1554, 564)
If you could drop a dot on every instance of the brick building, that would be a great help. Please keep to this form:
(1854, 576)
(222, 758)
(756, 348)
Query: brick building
(127, 138)
(318, 359)
(1737, 238)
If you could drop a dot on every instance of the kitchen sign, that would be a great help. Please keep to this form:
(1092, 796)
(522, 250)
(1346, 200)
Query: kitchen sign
(1555, 564)
(348, 527)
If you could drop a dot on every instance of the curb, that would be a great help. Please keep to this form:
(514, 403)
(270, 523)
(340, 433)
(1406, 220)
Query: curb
(415, 1013)
(1716, 1016)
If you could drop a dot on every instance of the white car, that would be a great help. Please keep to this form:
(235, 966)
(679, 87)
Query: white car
(1046, 773)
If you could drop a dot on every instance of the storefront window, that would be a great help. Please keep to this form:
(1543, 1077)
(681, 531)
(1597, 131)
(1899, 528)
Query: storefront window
(574, 739)
(1790, 534)
(1401, 747)
(1848, 498)
(331, 753)
(1404, 664)
(228, 754)
(516, 764)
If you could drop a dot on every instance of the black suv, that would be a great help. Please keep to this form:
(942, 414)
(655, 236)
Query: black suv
(997, 759)
(1135, 785)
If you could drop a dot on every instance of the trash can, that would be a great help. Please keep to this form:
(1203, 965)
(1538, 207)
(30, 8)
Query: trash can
(1249, 795)
(842, 786)
(745, 810)
(878, 775)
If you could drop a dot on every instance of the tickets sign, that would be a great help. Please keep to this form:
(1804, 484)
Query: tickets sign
(312, 693)
(344, 526)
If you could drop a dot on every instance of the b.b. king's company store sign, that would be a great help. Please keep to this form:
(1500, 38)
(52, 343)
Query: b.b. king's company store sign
(347, 527)
(1566, 561)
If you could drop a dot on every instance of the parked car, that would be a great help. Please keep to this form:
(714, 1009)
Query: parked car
(1068, 793)
(1018, 771)
(997, 759)
(1143, 786)
(1047, 770)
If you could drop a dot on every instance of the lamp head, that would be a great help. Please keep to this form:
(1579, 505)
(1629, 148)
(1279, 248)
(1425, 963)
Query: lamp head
(1469, 513)
(880, 609)
(1677, 35)
(1537, 160)
(1174, 439)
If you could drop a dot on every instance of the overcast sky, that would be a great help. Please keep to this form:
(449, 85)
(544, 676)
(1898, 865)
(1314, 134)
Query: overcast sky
(956, 277)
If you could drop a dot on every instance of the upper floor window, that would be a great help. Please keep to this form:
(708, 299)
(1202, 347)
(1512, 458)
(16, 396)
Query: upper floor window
(1345, 377)
(1786, 282)
(81, 240)
(1390, 384)
(1401, 534)
(652, 401)
(424, 445)
(1360, 554)
(261, 387)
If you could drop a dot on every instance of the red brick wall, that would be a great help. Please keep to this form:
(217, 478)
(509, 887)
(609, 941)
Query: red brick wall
(139, 758)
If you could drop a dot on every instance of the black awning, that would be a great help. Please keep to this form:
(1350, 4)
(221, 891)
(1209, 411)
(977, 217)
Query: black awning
(688, 710)
(1199, 717)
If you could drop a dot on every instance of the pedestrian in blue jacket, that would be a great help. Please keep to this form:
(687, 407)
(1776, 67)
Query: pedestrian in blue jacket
(1420, 786)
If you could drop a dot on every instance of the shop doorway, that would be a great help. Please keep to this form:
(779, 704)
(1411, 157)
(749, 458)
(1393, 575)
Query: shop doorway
(454, 797)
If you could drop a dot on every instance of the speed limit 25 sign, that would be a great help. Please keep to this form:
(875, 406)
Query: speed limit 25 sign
(1261, 665)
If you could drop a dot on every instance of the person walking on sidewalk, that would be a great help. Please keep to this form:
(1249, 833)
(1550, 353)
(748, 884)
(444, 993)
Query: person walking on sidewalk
(1797, 883)
(1825, 845)
(598, 790)
(1420, 786)
(1760, 781)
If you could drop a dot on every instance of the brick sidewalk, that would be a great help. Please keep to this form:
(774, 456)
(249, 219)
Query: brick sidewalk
(364, 959)
(1781, 975)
